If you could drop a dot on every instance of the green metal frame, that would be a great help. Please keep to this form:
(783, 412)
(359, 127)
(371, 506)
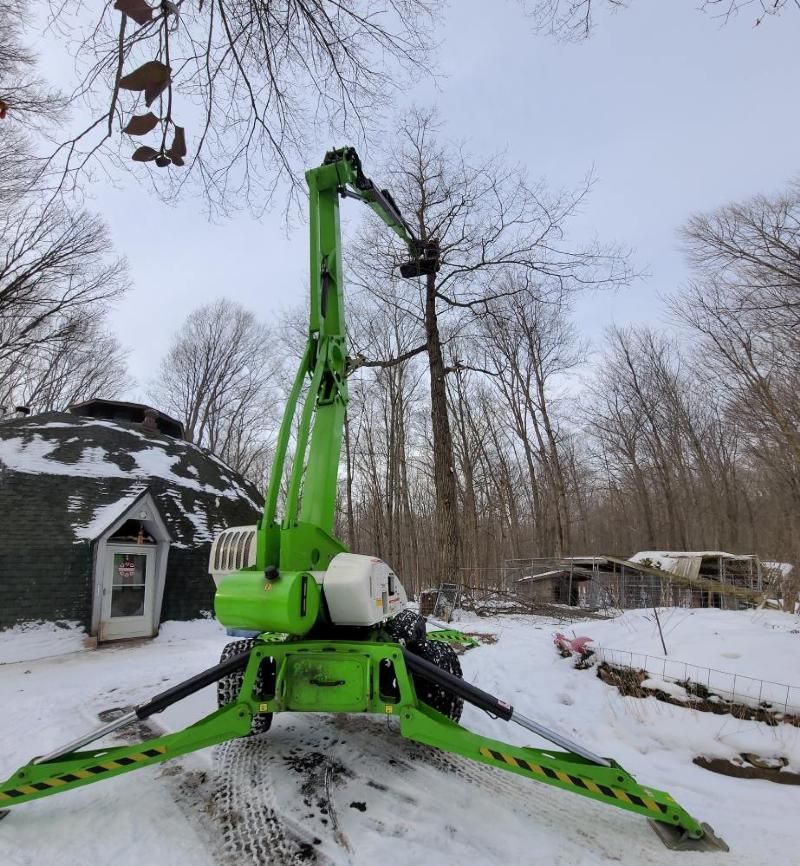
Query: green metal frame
(302, 540)
(454, 637)
(345, 677)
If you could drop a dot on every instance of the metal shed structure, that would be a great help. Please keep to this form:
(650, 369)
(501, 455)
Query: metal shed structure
(647, 579)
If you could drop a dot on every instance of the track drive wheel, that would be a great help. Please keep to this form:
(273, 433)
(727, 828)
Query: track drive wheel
(407, 628)
(228, 687)
(443, 656)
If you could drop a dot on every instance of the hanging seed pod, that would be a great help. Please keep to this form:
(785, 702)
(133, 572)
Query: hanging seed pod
(162, 160)
(153, 92)
(147, 77)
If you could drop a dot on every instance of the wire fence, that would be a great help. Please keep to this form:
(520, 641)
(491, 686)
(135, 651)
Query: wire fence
(737, 688)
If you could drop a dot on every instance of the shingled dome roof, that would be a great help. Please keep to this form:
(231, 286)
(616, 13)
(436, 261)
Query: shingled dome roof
(67, 469)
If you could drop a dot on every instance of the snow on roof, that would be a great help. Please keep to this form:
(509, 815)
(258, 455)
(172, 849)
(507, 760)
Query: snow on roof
(106, 515)
(685, 563)
(687, 554)
(33, 455)
(197, 517)
(543, 575)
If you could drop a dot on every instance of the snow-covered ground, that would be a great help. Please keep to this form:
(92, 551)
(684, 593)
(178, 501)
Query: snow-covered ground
(751, 656)
(264, 800)
(40, 640)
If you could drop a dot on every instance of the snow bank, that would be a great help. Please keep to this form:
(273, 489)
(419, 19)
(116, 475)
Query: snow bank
(36, 640)
(748, 656)
(762, 644)
(104, 516)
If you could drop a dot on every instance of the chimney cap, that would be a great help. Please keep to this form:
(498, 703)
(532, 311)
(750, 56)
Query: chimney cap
(147, 417)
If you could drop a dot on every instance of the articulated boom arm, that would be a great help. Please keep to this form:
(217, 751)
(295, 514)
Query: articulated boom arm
(304, 539)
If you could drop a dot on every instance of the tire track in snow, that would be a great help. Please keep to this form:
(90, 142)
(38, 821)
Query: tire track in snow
(585, 831)
(233, 807)
(253, 829)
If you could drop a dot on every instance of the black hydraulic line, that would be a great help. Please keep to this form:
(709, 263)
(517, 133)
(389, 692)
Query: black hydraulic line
(154, 705)
(484, 701)
(190, 686)
(471, 694)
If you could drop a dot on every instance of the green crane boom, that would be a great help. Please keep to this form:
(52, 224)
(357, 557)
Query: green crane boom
(304, 539)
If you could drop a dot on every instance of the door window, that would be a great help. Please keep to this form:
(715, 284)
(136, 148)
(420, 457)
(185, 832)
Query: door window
(128, 584)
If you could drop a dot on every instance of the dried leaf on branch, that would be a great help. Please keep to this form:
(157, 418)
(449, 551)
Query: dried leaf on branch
(138, 10)
(141, 124)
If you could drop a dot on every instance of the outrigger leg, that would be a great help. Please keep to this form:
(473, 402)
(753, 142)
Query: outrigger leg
(64, 768)
(577, 770)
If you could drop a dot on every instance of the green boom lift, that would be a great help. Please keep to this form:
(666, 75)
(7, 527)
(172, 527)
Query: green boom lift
(329, 630)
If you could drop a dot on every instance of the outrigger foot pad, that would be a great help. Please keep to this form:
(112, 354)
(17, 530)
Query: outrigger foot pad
(677, 839)
(3, 813)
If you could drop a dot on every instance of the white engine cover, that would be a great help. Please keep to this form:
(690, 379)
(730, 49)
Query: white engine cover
(361, 590)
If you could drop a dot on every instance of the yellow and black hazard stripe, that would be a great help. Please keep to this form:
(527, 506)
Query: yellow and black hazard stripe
(80, 775)
(576, 781)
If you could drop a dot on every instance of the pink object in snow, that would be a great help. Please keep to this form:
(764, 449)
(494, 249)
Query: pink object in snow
(567, 646)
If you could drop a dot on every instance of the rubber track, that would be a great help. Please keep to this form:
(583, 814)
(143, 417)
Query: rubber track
(228, 688)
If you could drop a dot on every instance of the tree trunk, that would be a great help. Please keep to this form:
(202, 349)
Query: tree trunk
(448, 559)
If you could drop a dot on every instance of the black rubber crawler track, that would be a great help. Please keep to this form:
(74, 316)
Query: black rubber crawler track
(228, 687)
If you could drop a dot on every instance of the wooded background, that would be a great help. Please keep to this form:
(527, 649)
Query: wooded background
(482, 425)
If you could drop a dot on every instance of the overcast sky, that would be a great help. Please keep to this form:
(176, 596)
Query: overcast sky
(674, 112)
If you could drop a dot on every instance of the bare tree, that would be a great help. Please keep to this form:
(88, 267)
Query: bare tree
(27, 105)
(569, 20)
(488, 220)
(672, 445)
(531, 346)
(576, 19)
(57, 280)
(379, 443)
(54, 273)
(87, 362)
(24, 98)
(745, 305)
(218, 377)
(252, 83)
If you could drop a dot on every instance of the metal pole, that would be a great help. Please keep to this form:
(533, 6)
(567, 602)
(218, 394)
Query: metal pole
(157, 704)
(569, 590)
(557, 739)
(490, 704)
(127, 719)
(660, 633)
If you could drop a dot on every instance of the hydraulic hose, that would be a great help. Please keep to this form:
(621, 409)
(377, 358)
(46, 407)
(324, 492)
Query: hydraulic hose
(156, 704)
(484, 701)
